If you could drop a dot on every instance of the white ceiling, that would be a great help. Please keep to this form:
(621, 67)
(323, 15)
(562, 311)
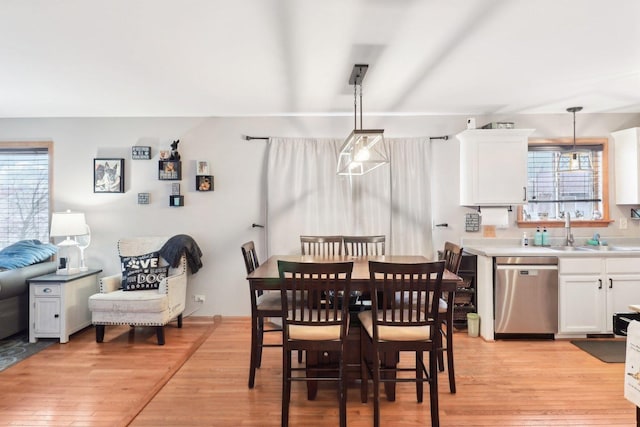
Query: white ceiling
(95, 58)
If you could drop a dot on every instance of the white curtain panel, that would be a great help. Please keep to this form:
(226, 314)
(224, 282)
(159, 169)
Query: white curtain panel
(305, 196)
(411, 224)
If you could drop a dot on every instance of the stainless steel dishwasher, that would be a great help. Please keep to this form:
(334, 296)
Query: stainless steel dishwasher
(526, 296)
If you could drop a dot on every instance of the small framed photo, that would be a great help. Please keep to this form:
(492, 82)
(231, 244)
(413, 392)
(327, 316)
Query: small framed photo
(143, 198)
(140, 152)
(203, 168)
(170, 170)
(165, 154)
(175, 189)
(204, 183)
(176, 201)
(108, 175)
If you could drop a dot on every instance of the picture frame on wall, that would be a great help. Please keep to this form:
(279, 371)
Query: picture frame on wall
(108, 175)
(140, 152)
(170, 170)
(203, 167)
(204, 183)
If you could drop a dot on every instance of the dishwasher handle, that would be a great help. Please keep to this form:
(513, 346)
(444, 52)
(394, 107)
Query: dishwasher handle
(525, 267)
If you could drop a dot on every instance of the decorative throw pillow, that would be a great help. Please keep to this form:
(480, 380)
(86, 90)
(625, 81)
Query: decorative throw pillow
(142, 272)
(26, 252)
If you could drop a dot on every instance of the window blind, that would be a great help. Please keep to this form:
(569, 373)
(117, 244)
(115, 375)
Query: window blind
(553, 188)
(24, 194)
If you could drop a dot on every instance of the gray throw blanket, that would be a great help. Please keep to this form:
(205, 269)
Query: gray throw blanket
(179, 244)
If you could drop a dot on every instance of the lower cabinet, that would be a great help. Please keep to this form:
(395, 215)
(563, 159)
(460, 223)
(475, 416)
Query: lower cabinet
(592, 290)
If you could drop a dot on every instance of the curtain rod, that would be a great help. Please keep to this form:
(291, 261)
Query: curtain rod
(251, 138)
(266, 138)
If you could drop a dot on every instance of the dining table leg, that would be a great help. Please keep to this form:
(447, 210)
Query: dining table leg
(312, 359)
(390, 360)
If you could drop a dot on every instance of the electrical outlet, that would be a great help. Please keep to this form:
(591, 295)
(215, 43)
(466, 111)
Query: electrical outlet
(623, 223)
(198, 298)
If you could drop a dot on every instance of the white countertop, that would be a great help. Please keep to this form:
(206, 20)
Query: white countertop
(511, 247)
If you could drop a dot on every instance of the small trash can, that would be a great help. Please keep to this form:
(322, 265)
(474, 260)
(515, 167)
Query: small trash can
(473, 324)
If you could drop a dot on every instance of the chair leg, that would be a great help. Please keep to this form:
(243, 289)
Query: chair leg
(433, 388)
(441, 353)
(452, 375)
(99, 333)
(160, 334)
(364, 374)
(286, 387)
(342, 383)
(254, 352)
(376, 386)
(419, 376)
(260, 341)
(180, 320)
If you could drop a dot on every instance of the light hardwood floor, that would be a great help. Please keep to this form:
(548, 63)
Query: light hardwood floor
(506, 383)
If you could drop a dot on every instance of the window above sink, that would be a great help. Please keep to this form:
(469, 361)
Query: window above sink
(553, 191)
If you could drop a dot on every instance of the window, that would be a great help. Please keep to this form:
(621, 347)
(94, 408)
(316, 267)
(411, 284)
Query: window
(564, 181)
(24, 191)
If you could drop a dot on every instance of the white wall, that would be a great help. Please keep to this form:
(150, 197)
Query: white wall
(220, 221)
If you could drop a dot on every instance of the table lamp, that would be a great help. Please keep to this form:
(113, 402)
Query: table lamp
(68, 224)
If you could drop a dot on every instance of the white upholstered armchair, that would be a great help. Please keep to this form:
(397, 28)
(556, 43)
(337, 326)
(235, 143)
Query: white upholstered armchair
(146, 307)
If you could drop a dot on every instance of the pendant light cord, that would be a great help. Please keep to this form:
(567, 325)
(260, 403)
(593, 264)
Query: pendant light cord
(360, 105)
(355, 107)
(574, 110)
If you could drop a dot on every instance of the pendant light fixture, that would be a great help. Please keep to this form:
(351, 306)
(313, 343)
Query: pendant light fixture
(575, 160)
(362, 151)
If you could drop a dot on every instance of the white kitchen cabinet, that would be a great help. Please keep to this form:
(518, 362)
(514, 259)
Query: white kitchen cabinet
(493, 166)
(582, 294)
(627, 166)
(59, 304)
(592, 290)
(623, 286)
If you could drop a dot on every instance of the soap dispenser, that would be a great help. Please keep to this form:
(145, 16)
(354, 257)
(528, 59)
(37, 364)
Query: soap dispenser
(537, 238)
(525, 239)
(545, 237)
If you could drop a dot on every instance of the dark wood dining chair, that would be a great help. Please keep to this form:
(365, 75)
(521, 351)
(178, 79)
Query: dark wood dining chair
(314, 320)
(364, 245)
(321, 245)
(409, 323)
(452, 256)
(263, 305)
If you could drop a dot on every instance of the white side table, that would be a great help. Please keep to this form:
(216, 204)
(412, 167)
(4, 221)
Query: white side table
(59, 304)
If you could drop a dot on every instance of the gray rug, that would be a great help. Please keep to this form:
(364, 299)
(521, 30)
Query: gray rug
(17, 347)
(606, 350)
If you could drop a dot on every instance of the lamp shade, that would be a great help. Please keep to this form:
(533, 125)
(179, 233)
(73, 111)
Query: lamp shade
(362, 152)
(67, 224)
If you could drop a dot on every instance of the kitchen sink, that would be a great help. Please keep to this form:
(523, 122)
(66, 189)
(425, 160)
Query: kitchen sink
(589, 248)
(597, 248)
(567, 248)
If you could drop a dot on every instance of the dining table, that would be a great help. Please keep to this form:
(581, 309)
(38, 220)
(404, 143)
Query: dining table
(266, 277)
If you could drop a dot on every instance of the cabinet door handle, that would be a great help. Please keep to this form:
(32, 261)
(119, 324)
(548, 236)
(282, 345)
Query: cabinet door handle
(525, 194)
(599, 283)
(610, 283)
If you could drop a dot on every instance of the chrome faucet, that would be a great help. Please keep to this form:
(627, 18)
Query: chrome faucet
(567, 227)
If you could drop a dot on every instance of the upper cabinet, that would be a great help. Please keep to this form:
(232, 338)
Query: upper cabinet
(627, 162)
(493, 166)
